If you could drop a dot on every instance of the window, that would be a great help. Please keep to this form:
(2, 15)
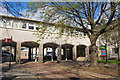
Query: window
(25, 54)
(31, 27)
(115, 50)
(37, 28)
(15, 24)
(85, 34)
(24, 26)
(4, 22)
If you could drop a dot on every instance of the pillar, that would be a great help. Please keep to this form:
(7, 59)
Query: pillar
(71, 55)
(53, 54)
(40, 54)
(18, 52)
(32, 53)
(36, 54)
(29, 54)
(59, 53)
(46, 54)
(87, 52)
(75, 52)
(65, 53)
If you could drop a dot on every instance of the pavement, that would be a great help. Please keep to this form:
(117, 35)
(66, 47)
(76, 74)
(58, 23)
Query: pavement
(47, 71)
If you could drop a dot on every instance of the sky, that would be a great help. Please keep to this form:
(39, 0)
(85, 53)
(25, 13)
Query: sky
(20, 7)
(13, 6)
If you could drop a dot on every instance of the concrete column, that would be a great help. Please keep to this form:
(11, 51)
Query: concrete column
(87, 51)
(29, 54)
(40, 54)
(75, 52)
(18, 52)
(27, 25)
(71, 58)
(53, 54)
(32, 53)
(65, 53)
(59, 53)
(34, 26)
(46, 50)
(36, 54)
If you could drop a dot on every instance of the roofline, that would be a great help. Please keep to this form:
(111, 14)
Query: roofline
(24, 19)
(39, 22)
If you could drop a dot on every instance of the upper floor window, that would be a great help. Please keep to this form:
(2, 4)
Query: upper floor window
(4, 22)
(31, 27)
(24, 26)
(85, 34)
(15, 24)
(37, 28)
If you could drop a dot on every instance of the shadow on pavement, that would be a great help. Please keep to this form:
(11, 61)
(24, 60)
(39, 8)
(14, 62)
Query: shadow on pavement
(9, 78)
(23, 61)
(74, 78)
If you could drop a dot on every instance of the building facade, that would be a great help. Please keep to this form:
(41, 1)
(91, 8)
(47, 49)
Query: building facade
(49, 46)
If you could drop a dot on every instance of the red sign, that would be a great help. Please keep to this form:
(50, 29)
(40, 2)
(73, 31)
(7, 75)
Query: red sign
(8, 40)
(5, 40)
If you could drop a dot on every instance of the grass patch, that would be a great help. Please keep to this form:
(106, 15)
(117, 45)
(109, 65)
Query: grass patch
(109, 61)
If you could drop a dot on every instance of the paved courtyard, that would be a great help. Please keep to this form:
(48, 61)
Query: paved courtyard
(49, 71)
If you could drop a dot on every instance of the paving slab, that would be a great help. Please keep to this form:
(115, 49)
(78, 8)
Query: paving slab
(48, 71)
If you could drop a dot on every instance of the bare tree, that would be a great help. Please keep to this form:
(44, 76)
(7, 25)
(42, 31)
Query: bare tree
(94, 18)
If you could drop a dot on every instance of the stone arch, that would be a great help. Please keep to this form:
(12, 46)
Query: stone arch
(49, 51)
(29, 44)
(67, 52)
(13, 43)
(81, 50)
(50, 44)
(29, 50)
(9, 47)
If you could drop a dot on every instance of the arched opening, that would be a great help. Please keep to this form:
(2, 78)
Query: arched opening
(67, 52)
(49, 53)
(81, 51)
(8, 48)
(29, 50)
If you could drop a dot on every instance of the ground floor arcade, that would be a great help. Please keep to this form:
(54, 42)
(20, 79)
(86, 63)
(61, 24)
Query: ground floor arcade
(48, 51)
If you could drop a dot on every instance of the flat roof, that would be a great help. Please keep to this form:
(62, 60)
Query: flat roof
(20, 18)
(53, 24)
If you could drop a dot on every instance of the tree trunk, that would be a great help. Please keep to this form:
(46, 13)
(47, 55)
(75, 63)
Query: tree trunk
(106, 52)
(93, 55)
(119, 41)
(94, 50)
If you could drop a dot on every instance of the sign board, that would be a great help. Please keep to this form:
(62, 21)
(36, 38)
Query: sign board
(102, 47)
(103, 51)
(9, 40)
